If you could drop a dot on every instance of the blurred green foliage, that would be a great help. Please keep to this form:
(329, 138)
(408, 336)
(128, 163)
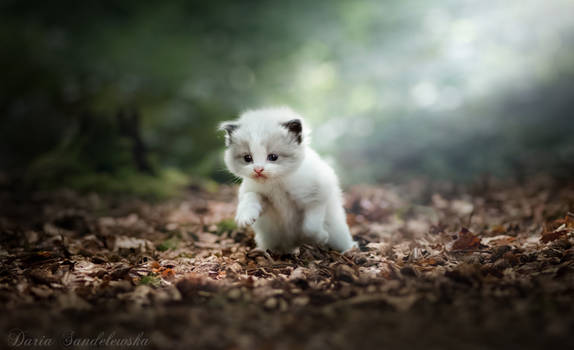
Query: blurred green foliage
(170, 243)
(226, 225)
(445, 89)
(150, 280)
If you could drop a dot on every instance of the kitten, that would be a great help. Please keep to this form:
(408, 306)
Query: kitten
(289, 194)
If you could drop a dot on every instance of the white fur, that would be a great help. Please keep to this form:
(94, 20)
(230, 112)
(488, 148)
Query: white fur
(299, 200)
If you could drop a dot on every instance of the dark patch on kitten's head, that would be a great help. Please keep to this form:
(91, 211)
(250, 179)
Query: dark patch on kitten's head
(229, 128)
(294, 126)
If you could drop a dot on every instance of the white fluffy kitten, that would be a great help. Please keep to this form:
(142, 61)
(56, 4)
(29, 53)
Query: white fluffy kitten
(289, 194)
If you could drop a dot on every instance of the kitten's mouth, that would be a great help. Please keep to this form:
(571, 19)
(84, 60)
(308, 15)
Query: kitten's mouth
(259, 177)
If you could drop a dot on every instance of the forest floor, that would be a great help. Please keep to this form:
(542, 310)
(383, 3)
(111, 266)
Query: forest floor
(439, 266)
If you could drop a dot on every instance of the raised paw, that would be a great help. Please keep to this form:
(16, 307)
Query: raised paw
(246, 217)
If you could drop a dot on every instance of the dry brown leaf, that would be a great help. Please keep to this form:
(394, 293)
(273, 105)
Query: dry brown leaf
(466, 241)
(552, 236)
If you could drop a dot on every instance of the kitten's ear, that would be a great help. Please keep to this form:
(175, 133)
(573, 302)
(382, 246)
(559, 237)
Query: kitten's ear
(229, 128)
(296, 128)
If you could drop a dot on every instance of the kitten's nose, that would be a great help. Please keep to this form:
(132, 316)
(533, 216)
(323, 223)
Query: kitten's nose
(258, 170)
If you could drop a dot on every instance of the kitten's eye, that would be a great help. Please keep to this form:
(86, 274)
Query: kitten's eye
(248, 158)
(272, 157)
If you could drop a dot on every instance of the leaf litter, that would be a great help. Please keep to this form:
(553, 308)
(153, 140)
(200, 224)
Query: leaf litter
(436, 265)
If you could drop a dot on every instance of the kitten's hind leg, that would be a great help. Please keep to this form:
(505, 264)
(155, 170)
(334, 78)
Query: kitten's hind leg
(313, 223)
(336, 223)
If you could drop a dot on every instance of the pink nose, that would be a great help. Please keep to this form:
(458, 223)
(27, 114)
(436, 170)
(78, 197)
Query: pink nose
(258, 170)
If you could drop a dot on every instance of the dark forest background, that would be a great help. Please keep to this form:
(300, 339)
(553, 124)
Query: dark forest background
(125, 96)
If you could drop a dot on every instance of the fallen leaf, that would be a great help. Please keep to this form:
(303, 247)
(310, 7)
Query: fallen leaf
(552, 236)
(168, 273)
(466, 241)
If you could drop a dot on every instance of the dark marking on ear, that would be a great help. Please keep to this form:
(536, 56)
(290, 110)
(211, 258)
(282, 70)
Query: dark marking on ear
(229, 128)
(294, 126)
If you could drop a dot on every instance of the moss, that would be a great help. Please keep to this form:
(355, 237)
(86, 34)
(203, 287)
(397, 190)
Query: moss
(225, 225)
(150, 280)
(168, 244)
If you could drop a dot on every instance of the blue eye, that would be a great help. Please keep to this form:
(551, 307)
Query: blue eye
(272, 157)
(248, 158)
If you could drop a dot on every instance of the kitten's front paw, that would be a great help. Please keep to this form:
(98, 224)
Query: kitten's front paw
(320, 237)
(246, 217)
(315, 232)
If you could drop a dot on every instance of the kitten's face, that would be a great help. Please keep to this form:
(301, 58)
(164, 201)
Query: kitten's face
(264, 145)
